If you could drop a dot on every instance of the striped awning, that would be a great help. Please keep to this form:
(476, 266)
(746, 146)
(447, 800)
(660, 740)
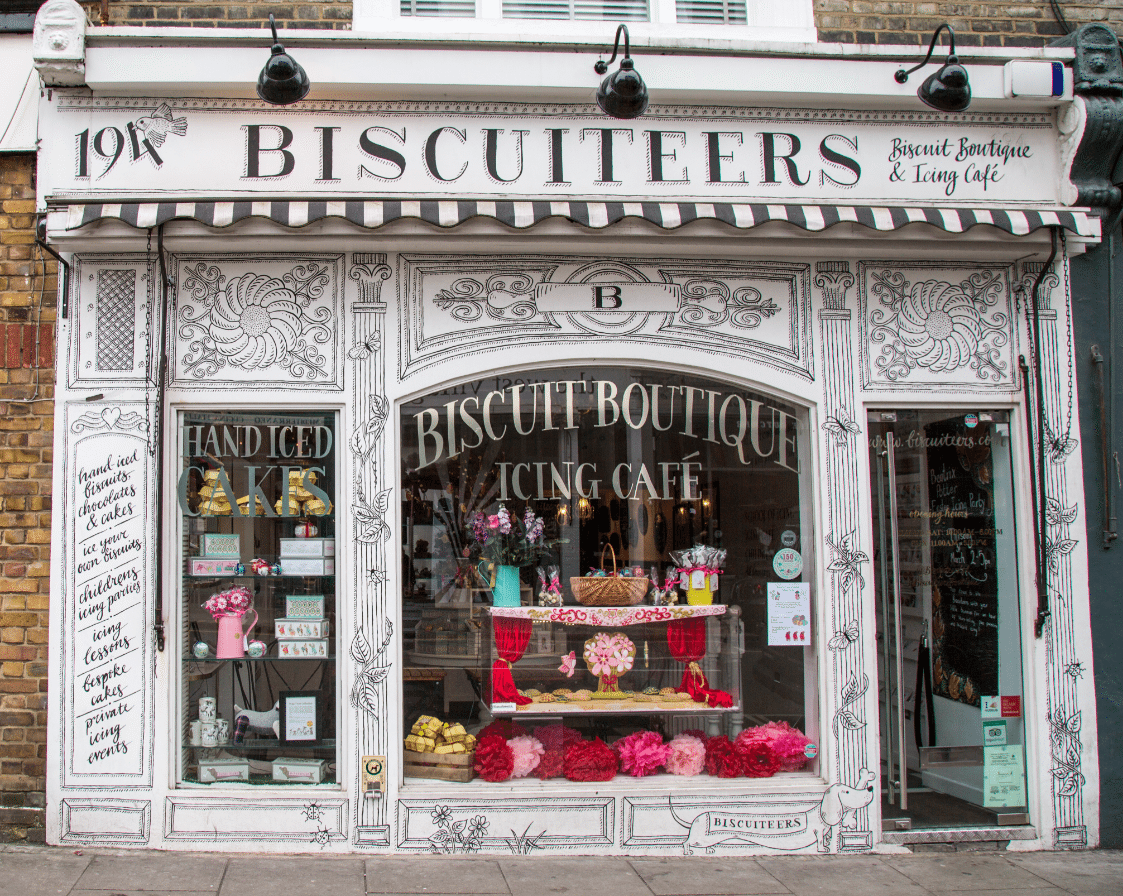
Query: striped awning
(450, 212)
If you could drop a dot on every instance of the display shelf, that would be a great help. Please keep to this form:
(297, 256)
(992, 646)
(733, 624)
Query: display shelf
(610, 616)
(327, 745)
(268, 658)
(213, 578)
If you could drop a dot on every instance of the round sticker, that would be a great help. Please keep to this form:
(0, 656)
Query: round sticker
(788, 564)
(811, 751)
(788, 538)
(971, 421)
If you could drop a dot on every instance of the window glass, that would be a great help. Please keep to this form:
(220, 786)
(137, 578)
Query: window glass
(619, 474)
(256, 496)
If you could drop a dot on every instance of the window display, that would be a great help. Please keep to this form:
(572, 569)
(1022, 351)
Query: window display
(586, 562)
(256, 499)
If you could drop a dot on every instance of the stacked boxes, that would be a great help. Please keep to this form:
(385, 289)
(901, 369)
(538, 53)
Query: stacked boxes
(220, 556)
(304, 631)
(308, 556)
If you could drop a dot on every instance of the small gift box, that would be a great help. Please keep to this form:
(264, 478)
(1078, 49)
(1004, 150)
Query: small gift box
(212, 566)
(224, 770)
(215, 545)
(307, 547)
(317, 649)
(304, 606)
(308, 566)
(300, 629)
(298, 771)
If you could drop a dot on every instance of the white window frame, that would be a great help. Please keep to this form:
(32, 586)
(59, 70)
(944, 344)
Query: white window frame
(766, 21)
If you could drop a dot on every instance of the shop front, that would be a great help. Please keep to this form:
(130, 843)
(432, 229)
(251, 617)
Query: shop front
(459, 477)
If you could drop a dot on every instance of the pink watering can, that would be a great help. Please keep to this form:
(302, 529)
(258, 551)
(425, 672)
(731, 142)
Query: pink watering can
(232, 640)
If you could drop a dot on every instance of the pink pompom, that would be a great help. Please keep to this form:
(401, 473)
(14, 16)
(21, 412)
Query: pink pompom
(687, 755)
(527, 753)
(641, 753)
(787, 743)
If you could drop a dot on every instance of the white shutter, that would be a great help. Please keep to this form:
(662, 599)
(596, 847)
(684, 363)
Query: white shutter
(611, 10)
(711, 12)
(456, 8)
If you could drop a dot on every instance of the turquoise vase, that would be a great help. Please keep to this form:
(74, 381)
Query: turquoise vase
(507, 587)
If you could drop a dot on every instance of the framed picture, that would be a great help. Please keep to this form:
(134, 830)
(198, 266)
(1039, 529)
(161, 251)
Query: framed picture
(300, 717)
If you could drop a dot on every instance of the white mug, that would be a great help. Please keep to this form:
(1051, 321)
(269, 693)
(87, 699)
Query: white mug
(210, 734)
(207, 709)
(196, 733)
(222, 730)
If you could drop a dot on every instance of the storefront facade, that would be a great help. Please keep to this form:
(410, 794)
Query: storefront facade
(304, 347)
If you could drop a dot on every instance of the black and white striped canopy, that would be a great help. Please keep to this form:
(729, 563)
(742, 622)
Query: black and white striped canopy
(450, 212)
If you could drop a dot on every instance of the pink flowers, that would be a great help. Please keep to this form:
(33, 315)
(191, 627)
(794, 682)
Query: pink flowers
(507, 542)
(607, 654)
(233, 602)
(641, 753)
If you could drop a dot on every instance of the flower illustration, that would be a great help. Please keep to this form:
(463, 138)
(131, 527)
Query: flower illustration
(441, 815)
(939, 326)
(255, 321)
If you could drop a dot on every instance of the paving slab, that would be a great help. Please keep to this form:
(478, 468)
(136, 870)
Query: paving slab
(40, 872)
(1033, 891)
(1082, 873)
(588, 876)
(841, 875)
(447, 875)
(948, 872)
(295, 876)
(706, 877)
(175, 872)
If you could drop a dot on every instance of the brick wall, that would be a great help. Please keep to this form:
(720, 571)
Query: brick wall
(991, 23)
(224, 13)
(27, 331)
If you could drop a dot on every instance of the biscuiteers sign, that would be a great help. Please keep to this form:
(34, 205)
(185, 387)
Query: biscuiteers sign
(125, 147)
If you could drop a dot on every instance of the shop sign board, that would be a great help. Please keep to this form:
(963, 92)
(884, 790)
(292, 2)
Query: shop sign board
(157, 147)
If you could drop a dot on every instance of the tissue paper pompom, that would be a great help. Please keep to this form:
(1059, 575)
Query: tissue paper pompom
(641, 753)
(590, 760)
(757, 757)
(551, 764)
(494, 759)
(527, 752)
(556, 735)
(505, 728)
(686, 756)
(698, 733)
(787, 743)
(722, 759)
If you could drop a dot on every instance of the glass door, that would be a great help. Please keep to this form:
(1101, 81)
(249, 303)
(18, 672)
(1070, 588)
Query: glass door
(948, 621)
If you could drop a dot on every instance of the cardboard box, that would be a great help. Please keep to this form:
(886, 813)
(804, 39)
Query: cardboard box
(228, 546)
(308, 566)
(318, 649)
(300, 629)
(212, 566)
(221, 771)
(304, 606)
(298, 771)
(307, 547)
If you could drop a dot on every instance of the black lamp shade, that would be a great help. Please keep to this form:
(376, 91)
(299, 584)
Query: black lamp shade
(947, 89)
(282, 81)
(623, 93)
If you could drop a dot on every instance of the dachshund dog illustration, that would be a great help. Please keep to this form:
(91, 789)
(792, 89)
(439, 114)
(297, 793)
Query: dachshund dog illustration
(841, 804)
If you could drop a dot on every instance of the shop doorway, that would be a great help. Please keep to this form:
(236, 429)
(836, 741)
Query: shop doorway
(948, 621)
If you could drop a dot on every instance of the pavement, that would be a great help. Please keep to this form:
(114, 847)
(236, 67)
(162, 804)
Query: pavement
(57, 871)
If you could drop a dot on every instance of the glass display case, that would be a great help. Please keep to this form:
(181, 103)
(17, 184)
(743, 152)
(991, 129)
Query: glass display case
(258, 636)
(614, 660)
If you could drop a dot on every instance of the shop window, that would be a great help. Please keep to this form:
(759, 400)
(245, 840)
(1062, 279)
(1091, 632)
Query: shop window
(568, 653)
(256, 496)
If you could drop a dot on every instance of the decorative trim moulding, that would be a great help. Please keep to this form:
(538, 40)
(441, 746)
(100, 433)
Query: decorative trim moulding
(375, 213)
(549, 821)
(313, 819)
(105, 821)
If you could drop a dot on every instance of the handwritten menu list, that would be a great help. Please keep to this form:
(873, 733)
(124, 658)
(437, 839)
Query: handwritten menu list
(964, 578)
(108, 611)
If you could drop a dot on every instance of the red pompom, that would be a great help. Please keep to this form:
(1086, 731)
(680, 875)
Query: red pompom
(494, 759)
(552, 764)
(758, 759)
(590, 760)
(722, 759)
(505, 728)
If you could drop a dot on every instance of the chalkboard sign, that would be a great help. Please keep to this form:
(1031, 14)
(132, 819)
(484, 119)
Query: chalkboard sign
(963, 543)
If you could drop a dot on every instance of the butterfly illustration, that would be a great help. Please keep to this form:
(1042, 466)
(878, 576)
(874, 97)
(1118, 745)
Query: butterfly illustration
(363, 350)
(844, 637)
(568, 664)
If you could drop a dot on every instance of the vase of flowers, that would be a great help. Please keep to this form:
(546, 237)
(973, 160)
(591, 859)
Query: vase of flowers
(509, 544)
(227, 609)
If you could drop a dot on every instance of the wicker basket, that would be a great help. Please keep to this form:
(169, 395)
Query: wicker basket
(608, 591)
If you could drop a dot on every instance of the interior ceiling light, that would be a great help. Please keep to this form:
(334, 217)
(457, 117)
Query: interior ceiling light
(623, 93)
(947, 89)
(282, 81)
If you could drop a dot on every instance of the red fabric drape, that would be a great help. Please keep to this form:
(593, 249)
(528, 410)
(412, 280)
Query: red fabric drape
(511, 638)
(686, 639)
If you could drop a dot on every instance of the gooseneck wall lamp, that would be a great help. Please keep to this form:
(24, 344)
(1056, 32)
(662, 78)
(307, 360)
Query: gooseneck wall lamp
(282, 81)
(947, 89)
(623, 93)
